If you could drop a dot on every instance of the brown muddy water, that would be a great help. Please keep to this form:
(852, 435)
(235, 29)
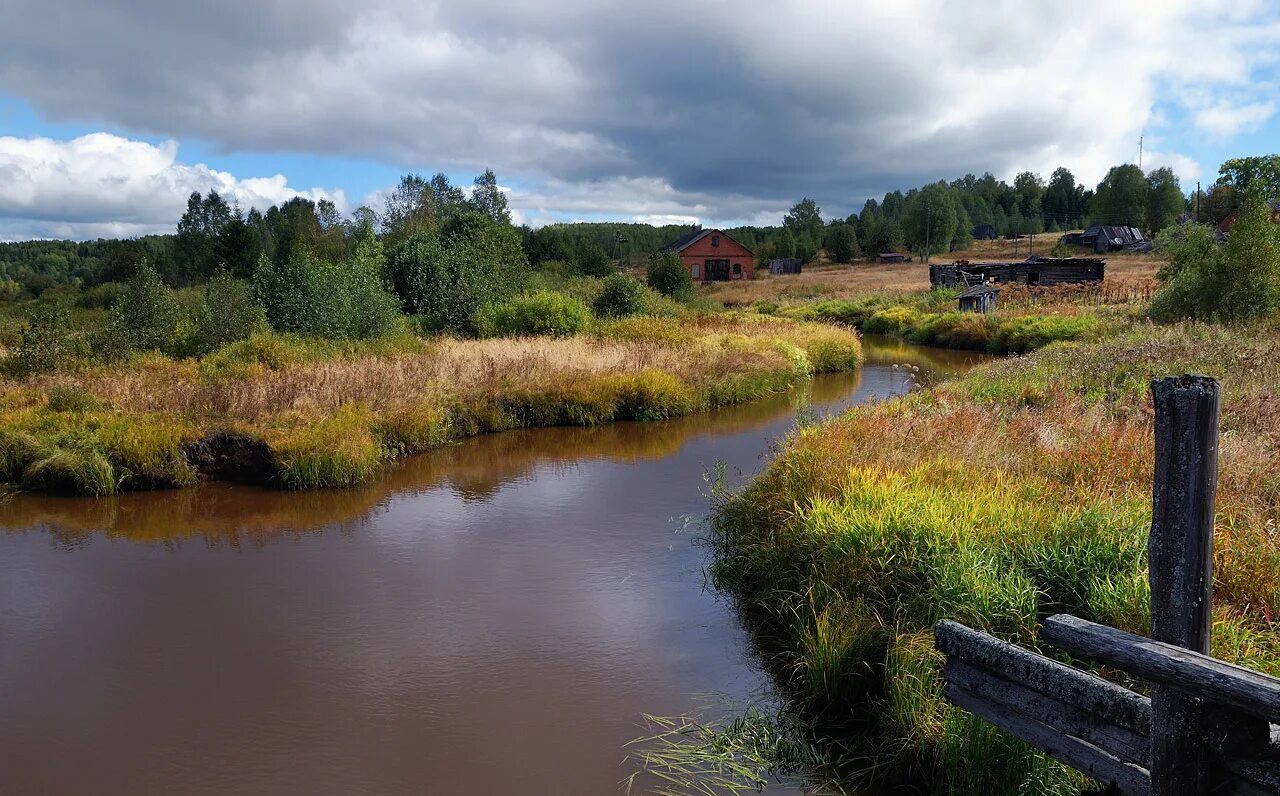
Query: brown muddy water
(489, 618)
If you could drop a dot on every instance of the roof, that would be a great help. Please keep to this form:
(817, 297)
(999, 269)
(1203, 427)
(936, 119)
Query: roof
(684, 241)
(978, 290)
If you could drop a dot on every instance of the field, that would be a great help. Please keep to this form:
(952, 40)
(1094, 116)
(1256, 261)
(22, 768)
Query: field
(307, 413)
(1019, 490)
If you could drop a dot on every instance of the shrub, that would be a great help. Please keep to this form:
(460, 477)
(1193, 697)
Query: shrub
(146, 314)
(542, 313)
(444, 282)
(668, 275)
(69, 398)
(312, 297)
(102, 296)
(228, 311)
(620, 296)
(593, 261)
(895, 320)
(1207, 281)
(47, 342)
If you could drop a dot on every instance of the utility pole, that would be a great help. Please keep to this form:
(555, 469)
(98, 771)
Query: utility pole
(1197, 201)
(1144, 135)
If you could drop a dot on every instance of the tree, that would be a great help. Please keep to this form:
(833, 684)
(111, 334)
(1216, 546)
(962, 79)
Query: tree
(488, 198)
(239, 246)
(804, 218)
(592, 260)
(929, 220)
(1164, 199)
(446, 197)
(668, 275)
(199, 230)
(1062, 201)
(842, 243)
(446, 280)
(1260, 174)
(1030, 189)
(146, 314)
(410, 209)
(1231, 282)
(1121, 198)
(228, 311)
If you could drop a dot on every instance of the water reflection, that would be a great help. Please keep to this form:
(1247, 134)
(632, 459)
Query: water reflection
(487, 618)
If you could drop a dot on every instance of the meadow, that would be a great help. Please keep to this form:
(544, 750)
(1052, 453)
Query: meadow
(306, 413)
(1019, 490)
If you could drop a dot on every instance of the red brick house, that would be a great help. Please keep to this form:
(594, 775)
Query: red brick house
(712, 256)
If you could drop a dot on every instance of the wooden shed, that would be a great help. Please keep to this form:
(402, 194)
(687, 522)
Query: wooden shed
(713, 256)
(979, 298)
(785, 265)
(891, 257)
(984, 232)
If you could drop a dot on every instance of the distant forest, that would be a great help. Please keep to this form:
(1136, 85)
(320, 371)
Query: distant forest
(941, 216)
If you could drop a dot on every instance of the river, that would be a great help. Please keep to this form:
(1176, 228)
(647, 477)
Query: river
(489, 618)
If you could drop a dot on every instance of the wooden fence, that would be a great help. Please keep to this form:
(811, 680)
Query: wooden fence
(1207, 726)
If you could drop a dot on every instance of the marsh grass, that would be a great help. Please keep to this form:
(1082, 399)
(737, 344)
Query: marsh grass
(335, 412)
(1015, 492)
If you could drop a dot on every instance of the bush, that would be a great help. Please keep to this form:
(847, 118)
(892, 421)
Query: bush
(620, 296)
(102, 296)
(592, 260)
(228, 311)
(47, 341)
(668, 275)
(1208, 281)
(146, 314)
(445, 283)
(542, 313)
(309, 296)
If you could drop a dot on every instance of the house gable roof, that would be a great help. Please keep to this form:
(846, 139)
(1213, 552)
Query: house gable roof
(685, 241)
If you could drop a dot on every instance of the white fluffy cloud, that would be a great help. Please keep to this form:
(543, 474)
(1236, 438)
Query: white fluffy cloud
(106, 185)
(670, 109)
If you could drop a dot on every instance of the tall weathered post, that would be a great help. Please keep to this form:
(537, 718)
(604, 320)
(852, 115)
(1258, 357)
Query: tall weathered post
(1180, 557)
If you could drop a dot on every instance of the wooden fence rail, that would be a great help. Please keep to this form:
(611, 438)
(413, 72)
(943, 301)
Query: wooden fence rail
(1207, 726)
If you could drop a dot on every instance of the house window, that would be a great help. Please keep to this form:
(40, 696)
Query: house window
(715, 241)
(696, 275)
(737, 268)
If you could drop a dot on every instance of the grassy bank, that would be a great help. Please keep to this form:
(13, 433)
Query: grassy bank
(1018, 491)
(311, 413)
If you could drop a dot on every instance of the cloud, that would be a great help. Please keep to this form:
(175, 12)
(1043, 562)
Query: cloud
(673, 109)
(106, 185)
(1224, 120)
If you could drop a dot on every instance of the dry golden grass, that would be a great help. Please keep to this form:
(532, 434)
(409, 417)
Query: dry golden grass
(1132, 274)
(332, 415)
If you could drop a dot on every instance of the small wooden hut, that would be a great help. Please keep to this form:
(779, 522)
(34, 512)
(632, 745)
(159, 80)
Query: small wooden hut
(979, 298)
(785, 265)
(890, 257)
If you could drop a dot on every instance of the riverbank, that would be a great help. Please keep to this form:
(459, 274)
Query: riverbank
(305, 414)
(1015, 492)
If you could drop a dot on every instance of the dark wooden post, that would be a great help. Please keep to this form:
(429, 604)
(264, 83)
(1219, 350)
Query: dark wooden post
(1180, 558)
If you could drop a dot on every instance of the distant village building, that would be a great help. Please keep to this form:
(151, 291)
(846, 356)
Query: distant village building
(1103, 239)
(1042, 271)
(1225, 225)
(712, 256)
(785, 265)
(984, 232)
(979, 298)
(890, 257)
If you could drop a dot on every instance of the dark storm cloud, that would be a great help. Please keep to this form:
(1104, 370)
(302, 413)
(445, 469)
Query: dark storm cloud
(733, 106)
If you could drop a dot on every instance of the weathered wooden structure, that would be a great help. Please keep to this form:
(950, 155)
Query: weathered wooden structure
(984, 232)
(1042, 271)
(979, 298)
(1103, 239)
(1207, 727)
(786, 265)
(891, 257)
(712, 256)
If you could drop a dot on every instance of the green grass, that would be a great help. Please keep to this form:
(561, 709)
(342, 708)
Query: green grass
(1017, 491)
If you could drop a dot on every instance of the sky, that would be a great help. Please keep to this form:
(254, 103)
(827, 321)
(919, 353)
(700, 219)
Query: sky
(697, 111)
